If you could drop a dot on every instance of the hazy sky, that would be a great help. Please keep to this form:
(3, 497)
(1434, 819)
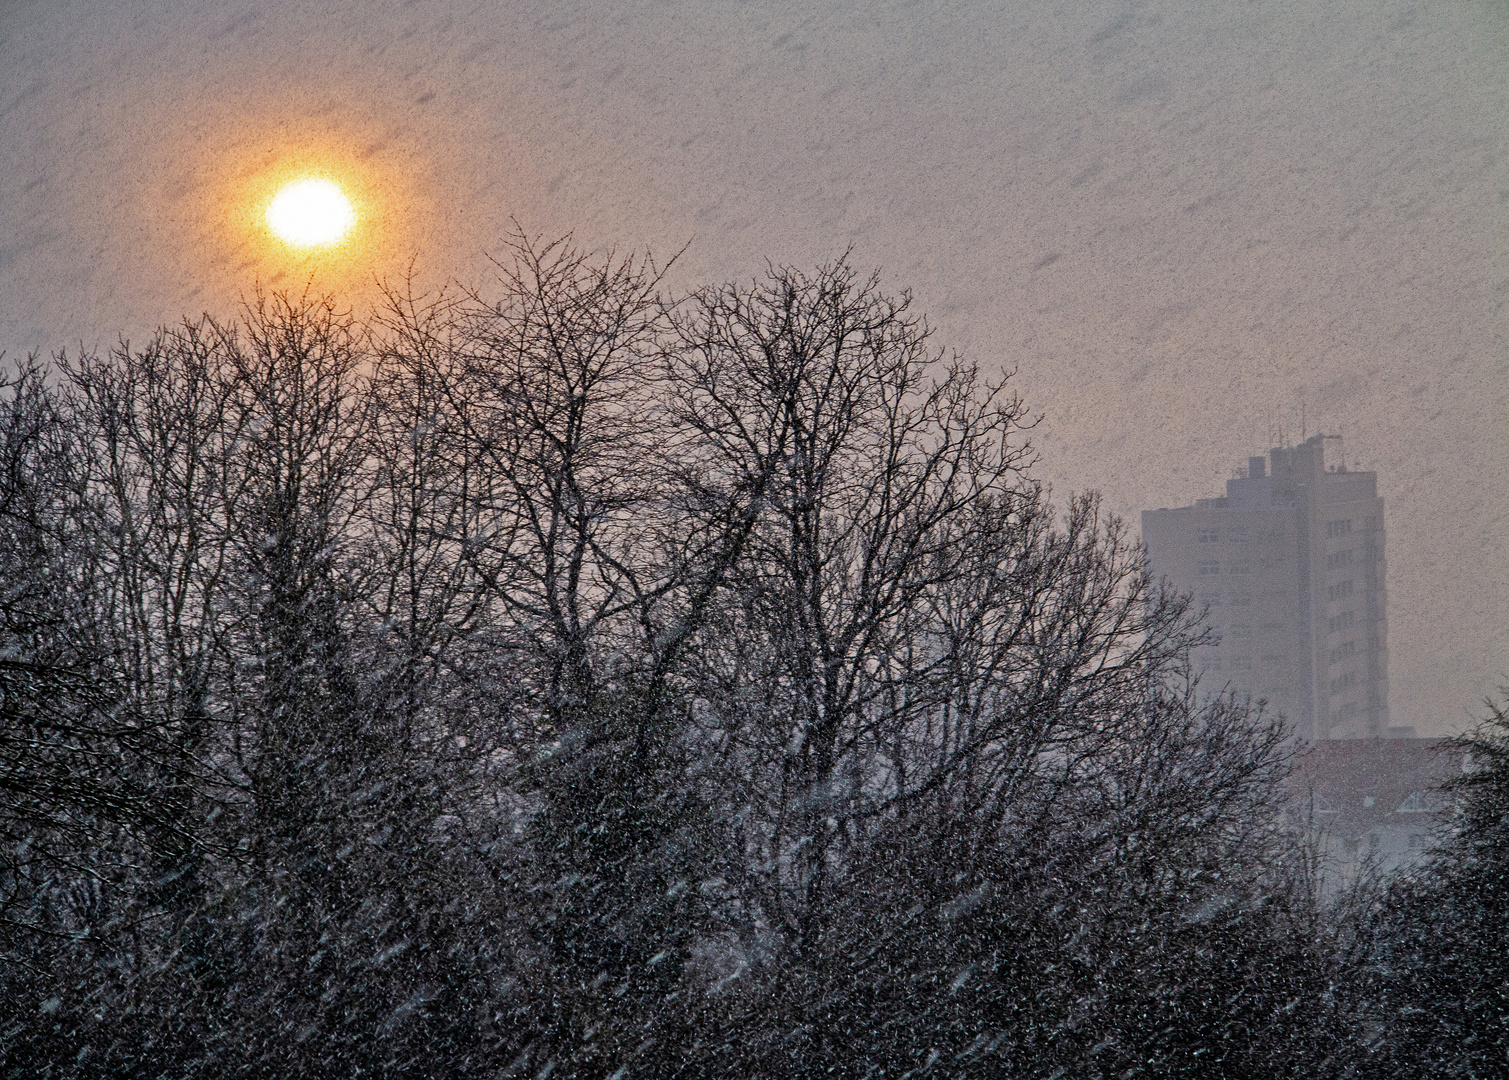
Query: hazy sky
(1179, 221)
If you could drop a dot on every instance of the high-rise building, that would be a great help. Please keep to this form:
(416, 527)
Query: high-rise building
(1289, 568)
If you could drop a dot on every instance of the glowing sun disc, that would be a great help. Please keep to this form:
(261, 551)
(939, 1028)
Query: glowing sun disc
(311, 213)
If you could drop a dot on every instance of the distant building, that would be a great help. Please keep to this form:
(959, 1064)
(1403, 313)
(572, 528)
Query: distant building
(1289, 566)
(1374, 800)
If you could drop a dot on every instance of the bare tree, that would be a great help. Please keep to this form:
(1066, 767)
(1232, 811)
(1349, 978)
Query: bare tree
(577, 680)
(1433, 990)
(874, 466)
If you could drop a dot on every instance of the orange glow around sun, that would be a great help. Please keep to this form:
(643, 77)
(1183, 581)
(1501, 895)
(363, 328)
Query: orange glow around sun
(310, 213)
(290, 201)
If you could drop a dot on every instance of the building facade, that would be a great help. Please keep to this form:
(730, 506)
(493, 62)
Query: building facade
(1374, 802)
(1289, 568)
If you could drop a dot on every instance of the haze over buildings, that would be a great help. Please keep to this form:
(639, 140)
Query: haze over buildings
(1289, 566)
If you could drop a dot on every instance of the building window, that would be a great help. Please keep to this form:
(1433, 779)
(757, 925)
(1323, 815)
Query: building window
(1209, 567)
(1345, 681)
(1340, 590)
(1340, 621)
(1338, 559)
(1345, 649)
(1238, 536)
(1210, 536)
(1338, 527)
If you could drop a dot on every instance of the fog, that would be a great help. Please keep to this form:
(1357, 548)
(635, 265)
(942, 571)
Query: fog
(1181, 224)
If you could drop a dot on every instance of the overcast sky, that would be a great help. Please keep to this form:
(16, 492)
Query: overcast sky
(1179, 221)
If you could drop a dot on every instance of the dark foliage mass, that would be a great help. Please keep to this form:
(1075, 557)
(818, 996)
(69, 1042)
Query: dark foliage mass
(574, 681)
(1439, 984)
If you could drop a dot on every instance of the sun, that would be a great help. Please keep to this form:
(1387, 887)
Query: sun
(310, 213)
